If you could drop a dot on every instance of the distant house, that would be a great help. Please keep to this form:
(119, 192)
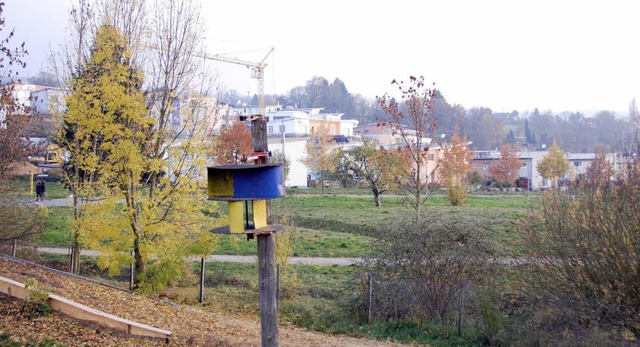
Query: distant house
(49, 100)
(579, 163)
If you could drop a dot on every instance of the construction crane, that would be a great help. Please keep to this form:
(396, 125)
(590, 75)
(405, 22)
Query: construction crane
(257, 71)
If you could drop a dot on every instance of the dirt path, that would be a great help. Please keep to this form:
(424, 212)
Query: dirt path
(245, 259)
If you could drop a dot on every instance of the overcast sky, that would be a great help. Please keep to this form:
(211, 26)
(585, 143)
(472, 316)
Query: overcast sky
(546, 54)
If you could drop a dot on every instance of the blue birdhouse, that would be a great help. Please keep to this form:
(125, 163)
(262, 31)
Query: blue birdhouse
(247, 189)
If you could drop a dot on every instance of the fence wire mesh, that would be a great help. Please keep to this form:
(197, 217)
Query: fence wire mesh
(402, 298)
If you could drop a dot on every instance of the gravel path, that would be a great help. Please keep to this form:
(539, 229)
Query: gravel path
(246, 259)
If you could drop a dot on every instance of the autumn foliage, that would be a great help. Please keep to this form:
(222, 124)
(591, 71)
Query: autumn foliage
(382, 169)
(553, 165)
(454, 167)
(506, 169)
(322, 155)
(232, 145)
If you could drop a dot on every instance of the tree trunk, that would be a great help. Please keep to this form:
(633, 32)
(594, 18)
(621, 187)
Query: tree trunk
(322, 182)
(75, 256)
(138, 268)
(74, 264)
(376, 197)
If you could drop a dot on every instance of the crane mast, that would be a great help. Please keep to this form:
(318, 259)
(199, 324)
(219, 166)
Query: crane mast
(257, 71)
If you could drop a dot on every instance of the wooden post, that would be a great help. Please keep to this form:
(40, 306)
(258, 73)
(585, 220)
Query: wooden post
(278, 282)
(266, 254)
(461, 309)
(202, 280)
(370, 282)
(15, 246)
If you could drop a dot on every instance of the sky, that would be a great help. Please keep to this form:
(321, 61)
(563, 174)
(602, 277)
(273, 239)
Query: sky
(506, 55)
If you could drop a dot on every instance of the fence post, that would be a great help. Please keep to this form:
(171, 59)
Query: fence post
(15, 246)
(202, 263)
(461, 309)
(370, 283)
(278, 286)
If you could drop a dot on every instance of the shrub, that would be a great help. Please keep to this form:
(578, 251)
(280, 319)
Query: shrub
(35, 303)
(430, 258)
(584, 243)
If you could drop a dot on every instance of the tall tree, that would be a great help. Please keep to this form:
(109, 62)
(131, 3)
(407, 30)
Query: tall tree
(553, 165)
(322, 154)
(417, 112)
(107, 125)
(232, 145)
(506, 169)
(160, 231)
(177, 98)
(317, 92)
(454, 167)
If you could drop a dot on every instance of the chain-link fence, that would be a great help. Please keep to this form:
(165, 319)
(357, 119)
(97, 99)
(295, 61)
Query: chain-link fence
(397, 298)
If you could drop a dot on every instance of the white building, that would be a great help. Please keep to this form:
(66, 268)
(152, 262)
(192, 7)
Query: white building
(50, 100)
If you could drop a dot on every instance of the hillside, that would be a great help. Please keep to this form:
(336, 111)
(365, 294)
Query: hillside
(190, 326)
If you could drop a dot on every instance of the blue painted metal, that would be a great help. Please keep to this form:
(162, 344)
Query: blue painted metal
(245, 182)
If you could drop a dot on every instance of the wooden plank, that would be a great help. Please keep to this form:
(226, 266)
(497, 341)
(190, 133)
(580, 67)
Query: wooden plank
(12, 288)
(85, 313)
(89, 314)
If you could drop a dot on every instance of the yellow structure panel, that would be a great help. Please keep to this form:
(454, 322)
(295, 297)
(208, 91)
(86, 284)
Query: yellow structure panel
(236, 216)
(220, 184)
(260, 213)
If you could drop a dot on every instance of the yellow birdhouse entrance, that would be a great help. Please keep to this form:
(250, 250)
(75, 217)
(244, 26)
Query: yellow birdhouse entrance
(247, 215)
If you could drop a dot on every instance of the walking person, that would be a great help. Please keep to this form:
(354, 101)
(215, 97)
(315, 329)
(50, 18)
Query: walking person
(40, 190)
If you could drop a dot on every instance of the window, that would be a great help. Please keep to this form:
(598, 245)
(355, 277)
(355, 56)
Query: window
(485, 166)
(366, 131)
(270, 129)
(283, 129)
(577, 163)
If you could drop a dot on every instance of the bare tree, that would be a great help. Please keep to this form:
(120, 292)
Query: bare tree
(18, 220)
(416, 111)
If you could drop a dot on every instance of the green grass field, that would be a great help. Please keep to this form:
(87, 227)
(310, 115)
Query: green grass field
(338, 226)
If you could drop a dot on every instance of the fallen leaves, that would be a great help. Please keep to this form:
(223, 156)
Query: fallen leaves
(190, 326)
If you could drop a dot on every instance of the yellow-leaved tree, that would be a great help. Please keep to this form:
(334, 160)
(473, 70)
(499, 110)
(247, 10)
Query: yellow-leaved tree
(454, 167)
(553, 165)
(322, 154)
(154, 230)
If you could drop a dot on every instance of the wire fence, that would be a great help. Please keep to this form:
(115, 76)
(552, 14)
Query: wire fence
(398, 298)
(462, 306)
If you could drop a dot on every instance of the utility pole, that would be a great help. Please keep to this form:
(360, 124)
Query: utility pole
(266, 251)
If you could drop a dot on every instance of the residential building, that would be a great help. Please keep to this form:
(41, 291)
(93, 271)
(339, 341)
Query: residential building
(579, 163)
(49, 100)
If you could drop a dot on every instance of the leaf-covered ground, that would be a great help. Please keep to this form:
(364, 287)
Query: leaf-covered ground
(190, 326)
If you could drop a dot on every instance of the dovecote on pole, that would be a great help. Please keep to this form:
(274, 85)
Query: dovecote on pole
(247, 189)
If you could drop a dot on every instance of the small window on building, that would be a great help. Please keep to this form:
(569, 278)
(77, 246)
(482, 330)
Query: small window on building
(366, 131)
(283, 128)
(577, 163)
(270, 129)
(485, 166)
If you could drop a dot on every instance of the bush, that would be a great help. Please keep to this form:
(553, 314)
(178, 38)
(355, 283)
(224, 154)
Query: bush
(584, 243)
(432, 255)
